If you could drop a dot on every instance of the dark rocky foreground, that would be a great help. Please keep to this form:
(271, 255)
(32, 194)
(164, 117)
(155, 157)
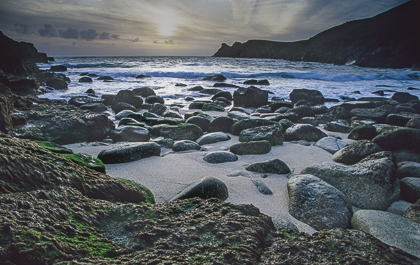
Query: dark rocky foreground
(57, 212)
(386, 40)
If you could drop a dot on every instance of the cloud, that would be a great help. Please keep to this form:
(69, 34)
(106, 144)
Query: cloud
(69, 33)
(89, 34)
(136, 40)
(48, 31)
(115, 36)
(104, 36)
(169, 42)
(22, 28)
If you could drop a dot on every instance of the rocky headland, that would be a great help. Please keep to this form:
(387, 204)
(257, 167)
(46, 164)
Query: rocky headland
(386, 40)
(360, 206)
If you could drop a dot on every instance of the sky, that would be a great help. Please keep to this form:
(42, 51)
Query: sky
(171, 27)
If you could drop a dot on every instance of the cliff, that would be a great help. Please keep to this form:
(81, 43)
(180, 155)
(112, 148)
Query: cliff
(389, 39)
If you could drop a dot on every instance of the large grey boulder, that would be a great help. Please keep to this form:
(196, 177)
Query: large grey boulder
(313, 96)
(410, 189)
(251, 148)
(221, 124)
(130, 134)
(274, 165)
(158, 109)
(250, 97)
(212, 138)
(399, 139)
(271, 133)
(127, 96)
(244, 124)
(220, 157)
(185, 145)
(129, 153)
(201, 122)
(369, 184)
(408, 169)
(355, 152)
(363, 132)
(337, 126)
(317, 203)
(389, 228)
(331, 144)
(182, 131)
(205, 188)
(305, 132)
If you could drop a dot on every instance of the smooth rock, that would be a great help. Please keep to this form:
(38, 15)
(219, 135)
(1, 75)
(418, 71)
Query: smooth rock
(274, 165)
(317, 203)
(400, 139)
(331, 144)
(260, 185)
(251, 148)
(305, 132)
(144, 91)
(94, 107)
(182, 131)
(250, 97)
(241, 125)
(158, 109)
(205, 188)
(363, 132)
(369, 184)
(129, 153)
(356, 151)
(221, 124)
(211, 138)
(155, 99)
(313, 96)
(410, 189)
(399, 207)
(389, 228)
(201, 122)
(57, 84)
(337, 126)
(120, 106)
(271, 133)
(185, 145)
(130, 134)
(408, 169)
(404, 97)
(220, 157)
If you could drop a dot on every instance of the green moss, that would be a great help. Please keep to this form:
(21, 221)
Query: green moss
(53, 147)
(87, 161)
(149, 195)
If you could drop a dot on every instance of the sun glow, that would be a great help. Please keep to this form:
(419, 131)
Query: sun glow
(168, 23)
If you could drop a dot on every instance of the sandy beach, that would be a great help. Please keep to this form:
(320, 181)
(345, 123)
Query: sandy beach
(172, 172)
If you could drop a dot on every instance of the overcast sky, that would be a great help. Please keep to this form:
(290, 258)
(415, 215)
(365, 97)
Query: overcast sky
(171, 27)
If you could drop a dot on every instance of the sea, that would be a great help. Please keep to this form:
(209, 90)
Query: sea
(172, 77)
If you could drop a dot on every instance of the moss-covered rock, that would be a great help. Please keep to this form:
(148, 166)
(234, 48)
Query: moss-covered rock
(150, 198)
(363, 132)
(87, 161)
(53, 147)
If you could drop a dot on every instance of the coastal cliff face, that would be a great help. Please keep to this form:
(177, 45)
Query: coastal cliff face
(389, 39)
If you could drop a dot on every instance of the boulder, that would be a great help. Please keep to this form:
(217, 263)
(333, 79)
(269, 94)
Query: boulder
(251, 148)
(410, 189)
(124, 106)
(378, 114)
(400, 139)
(413, 123)
(107, 99)
(124, 114)
(155, 99)
(212, 138)
(274, 165)
(164, 142)
(337, 126)
(302, 111)
(98, 126)
(185, 145)
(271, 133)
(127, 96)
(214, 78)
(407, 155)
(309, 120)
(7, 101)
(331, 144)
(94, 107)
(225, 94)
(317, 203)
(241, 125)
(369, 184)
(210, 91)
(129, 153)
(305, 132)
(355, 152)
(130, 134)
(201, 122)
(413, 212)
(58, 68)
(389, 228)
(363, 132)
(53, 147)
(213, 107)
(205, 188)
(57, 84)
(182, 131)
(129, 122)
(221, 124)
(408, 169)
(81, 100)
(399, 207)
(197, 105)
(220, 157)
(313, 96)
(250, 97)
(239, 115)
(105, 78)
(404, 97)
(158, 109)
(402, 118)
(144, 91)
(85, 79)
